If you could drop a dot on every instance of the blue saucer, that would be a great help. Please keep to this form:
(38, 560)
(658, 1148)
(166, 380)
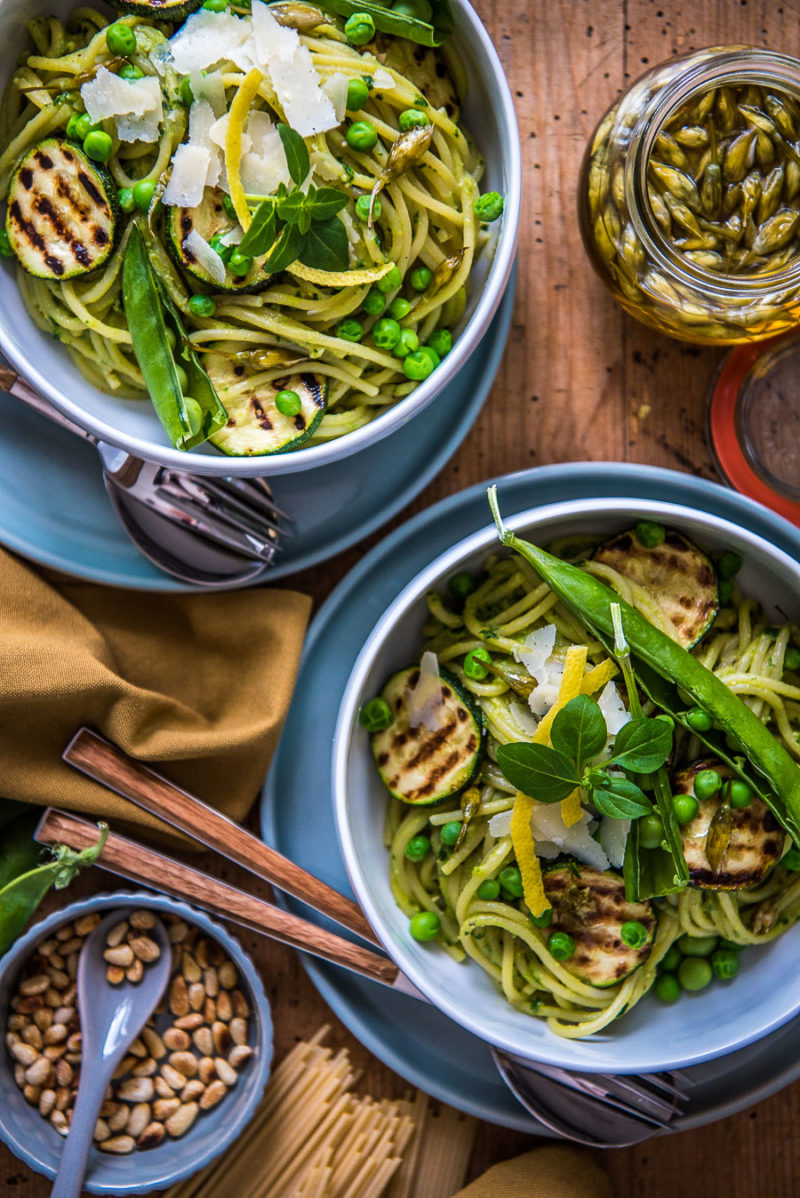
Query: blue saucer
(412, 1038)
(54, 510)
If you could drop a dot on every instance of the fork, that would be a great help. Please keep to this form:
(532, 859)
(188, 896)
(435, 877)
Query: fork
(238, 514)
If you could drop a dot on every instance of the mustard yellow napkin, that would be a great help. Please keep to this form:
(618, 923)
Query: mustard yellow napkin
(197, 684)
(548, 1172)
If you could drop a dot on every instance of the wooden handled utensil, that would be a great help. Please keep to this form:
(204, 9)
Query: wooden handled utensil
(106, 763)
(131, 860)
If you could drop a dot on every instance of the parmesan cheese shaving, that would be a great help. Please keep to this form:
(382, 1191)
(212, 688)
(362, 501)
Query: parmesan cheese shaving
(135, 104)
(209, 86)
(291, 68)
(187, 182)
(208, 259)
(207, 38)
(335, 88)
(424, 703)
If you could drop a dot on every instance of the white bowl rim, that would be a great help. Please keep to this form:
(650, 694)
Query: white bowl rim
(400, 412)
(551, 1050)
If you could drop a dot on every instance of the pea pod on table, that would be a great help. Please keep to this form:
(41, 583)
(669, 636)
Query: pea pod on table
(20, 897)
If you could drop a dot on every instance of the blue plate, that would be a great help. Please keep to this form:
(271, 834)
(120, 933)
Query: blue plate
(53, 507)
(412, 1038)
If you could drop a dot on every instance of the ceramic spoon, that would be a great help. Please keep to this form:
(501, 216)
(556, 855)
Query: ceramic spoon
(112, 1018)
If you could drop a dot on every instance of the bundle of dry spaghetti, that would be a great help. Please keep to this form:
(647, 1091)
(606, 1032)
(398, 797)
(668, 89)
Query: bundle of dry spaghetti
(312, 1137)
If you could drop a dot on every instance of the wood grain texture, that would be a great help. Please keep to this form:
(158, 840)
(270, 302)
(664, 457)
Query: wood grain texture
(107, 763)
(579, 381)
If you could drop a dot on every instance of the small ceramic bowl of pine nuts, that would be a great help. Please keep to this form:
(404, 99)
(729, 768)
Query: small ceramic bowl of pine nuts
(191, 1080)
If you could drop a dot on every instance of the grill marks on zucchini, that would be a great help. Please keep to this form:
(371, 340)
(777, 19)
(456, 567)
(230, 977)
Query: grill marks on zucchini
(255, 426)
(61, 219)
(756, 838)
(210, 219)
(678, 575)
(591, 907)
(425, 765)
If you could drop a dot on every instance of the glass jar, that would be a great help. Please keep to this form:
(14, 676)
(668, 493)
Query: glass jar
(689, 196)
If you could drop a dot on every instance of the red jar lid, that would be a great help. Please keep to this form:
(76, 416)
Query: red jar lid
(754, 422)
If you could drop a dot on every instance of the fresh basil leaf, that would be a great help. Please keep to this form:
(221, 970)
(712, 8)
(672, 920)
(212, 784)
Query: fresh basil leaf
(425, 33)
(579, 729)
(326, 202)
(291, 206)
(538, 771)
(259, 237)
(286, 249)
(325, 246)
(296, 153)
(642, 745)
(622, 799)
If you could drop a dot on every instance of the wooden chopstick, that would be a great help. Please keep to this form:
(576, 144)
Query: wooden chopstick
(132, 860)
(107, 763)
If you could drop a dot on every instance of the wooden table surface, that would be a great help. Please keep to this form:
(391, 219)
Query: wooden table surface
(579, 381)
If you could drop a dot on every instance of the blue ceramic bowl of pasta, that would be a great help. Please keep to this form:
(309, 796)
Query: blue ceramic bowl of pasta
(652, 1035)
(31, 1138)
(360, 412)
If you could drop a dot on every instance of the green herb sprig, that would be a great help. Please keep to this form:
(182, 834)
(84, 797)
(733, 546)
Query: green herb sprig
(298, 225)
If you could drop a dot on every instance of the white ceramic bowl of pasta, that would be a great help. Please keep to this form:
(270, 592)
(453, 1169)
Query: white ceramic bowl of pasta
(651, 1037)
(488, 114)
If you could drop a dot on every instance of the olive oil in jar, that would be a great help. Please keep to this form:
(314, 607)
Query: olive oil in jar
(689, 196)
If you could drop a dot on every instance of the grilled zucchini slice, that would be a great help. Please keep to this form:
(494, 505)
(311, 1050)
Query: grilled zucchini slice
(62, 215)
(255, 426)
(678, 575)
(424, 766)
(158, 10)
(591, 907)
(756, 838)
(211, 220)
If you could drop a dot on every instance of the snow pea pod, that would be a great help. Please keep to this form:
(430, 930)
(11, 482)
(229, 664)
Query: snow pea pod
(665, 670)
(20, 898)
(161, 346)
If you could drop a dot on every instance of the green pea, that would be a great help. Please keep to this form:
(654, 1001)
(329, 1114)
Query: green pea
(129, 71)
(239, 264)
(740, 794)
(542, 921)
(725, 590)
(791, 658)
(633, 933)
(407, 343)
(386, 333)
(219, 247)
(359, 29)
(374, 303)
(671, 959)
(488, 890)
(473, 663)
(399, 307)
(417, 366)
(698, 720)
(362, 135)
(143, 192)
(390, 281)
(79, 125)
(420, 278)
(357, 94)
(441, 342)
(685, 808)
(194, 413)
(362, 209)
(694, 974)
(376, 715)
(425, 925)
(183, 378)
(430, 354)
(418, 848)
(697, 946)
(489, 207)
(650, 534)
(791, 860)
(707, 783)
(651, 831)
(667, 988)
(725, 964)
(511, 879)
(215, 5)
(561, 946)
(289, 403)
(186, 93)
(350, 330)
(451, 831)
(460, 585)
(413, 118)
(202, 305)
(98, 145)
(120, 39)
(5, 245)
(729, 564)
(418, 10)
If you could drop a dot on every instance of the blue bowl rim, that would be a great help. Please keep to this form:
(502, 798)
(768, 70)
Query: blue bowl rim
(256, 1081)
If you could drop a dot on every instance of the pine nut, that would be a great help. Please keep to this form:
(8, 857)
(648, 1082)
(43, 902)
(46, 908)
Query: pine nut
(155, 1045)
(115, 975)
(188, 1023)
(135, 972)
(144, 948)
(224, 1006)
(207, 1070)
(192, 1090)
(204, 1041)
(101, 1131)
(140, 1116)
(176, 1039)
(190, 969)
(164, 1107)
(174, 1079)
(225, 1072)
(145, 1068)
(137, 1048)
(197, 996)
(87, 923)
(222, 1038)
(119, 1120)
(117, 934)
(177, 932)
(120, 1145)
(213, 1094)
(142, 920)
(120, 955)
(38, 984)
(23, 1053)
(136, 1089)
(228, 975)
(178, 997)
(179, 1123)
(184, 1062)
(240, 1055)
(153, 1135)
(38, 1074)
